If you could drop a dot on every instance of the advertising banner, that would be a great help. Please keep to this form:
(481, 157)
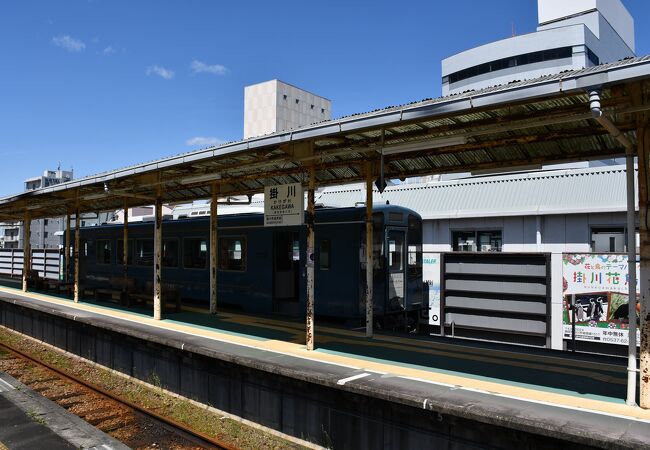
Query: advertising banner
(431, 275)
(599, 284)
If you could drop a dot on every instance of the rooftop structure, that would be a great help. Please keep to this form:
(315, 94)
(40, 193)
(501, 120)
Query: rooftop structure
(571, 35)
(49, 178)
(45, 233)
(274, 106)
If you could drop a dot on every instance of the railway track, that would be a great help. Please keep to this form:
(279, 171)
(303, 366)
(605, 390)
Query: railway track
(136, 427)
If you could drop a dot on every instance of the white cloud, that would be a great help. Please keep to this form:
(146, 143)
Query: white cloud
(110, 50)
(68, 43)
(167, 74)
(200, 141)
(214, 69)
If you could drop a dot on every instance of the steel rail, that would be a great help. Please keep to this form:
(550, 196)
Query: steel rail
(202, 438)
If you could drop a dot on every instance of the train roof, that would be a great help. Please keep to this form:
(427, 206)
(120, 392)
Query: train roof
(324, 214)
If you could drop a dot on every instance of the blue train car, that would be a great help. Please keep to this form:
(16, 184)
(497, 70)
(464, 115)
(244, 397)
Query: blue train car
(262, 269)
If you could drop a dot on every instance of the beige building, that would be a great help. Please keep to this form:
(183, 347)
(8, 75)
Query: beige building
(274, 106)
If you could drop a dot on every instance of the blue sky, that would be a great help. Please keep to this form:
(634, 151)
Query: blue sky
(102, 84)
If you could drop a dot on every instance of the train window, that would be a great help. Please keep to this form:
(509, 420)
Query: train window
(395, 252)
(195, 253)
(170, 253)
(120, 252)
(395, 217)
(414, 248)
(324, 255)
(103, 253)
(232, 253)
(143, 252)
(413, 256)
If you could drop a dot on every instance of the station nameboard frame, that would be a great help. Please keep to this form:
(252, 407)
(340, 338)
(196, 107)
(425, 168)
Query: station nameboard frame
(284, 205)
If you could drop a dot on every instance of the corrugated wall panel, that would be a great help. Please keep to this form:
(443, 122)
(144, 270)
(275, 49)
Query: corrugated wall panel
(506, 295)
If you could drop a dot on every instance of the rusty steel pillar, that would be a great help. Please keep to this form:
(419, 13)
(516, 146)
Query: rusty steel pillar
(125, 251)
(157, 261)
(643, 136)
(27, 249)
(77, 243)
(213, 248)
(310, 258)
(67, 248)
(631, 258)
(369, 252)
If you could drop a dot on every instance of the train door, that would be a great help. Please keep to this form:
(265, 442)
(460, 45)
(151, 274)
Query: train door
(396, 259)
(286, 272)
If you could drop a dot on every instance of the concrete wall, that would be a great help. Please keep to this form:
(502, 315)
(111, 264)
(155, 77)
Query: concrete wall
(613, 12)
(332, 417)
(43, 236)
(600, 37)
(275, 106)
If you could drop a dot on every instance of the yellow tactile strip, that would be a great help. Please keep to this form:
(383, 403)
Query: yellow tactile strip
(300, 351)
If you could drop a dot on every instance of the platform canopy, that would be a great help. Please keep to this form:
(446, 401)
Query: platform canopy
(526, 123)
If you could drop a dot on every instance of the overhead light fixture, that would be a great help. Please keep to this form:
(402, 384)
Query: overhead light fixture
(425, 145)
(200, 178)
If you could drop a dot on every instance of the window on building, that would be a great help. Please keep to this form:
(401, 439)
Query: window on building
(477, 240)
(103, 254)
(195, 253)
(513, 61)
(143, 252)
(232, 253)
(593, 57)
(324, 255)
(46, 234)
(608, 239)
(45, 222)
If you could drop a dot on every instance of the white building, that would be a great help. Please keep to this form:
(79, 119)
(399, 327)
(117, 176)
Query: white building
(274, 106)
(571, 35)
(45, 233)
(552, 211)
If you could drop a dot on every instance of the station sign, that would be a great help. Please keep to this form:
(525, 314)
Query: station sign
(284, 205)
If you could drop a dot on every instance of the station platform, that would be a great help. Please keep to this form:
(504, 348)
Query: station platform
(476, 389)
(29, 421)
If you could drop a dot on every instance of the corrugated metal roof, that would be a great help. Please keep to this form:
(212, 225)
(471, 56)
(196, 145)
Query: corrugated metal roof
(529, 122)
(567, 191)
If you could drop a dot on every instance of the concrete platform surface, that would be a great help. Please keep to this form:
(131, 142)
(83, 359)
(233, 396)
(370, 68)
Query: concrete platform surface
(29, 421)
(445, 378)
